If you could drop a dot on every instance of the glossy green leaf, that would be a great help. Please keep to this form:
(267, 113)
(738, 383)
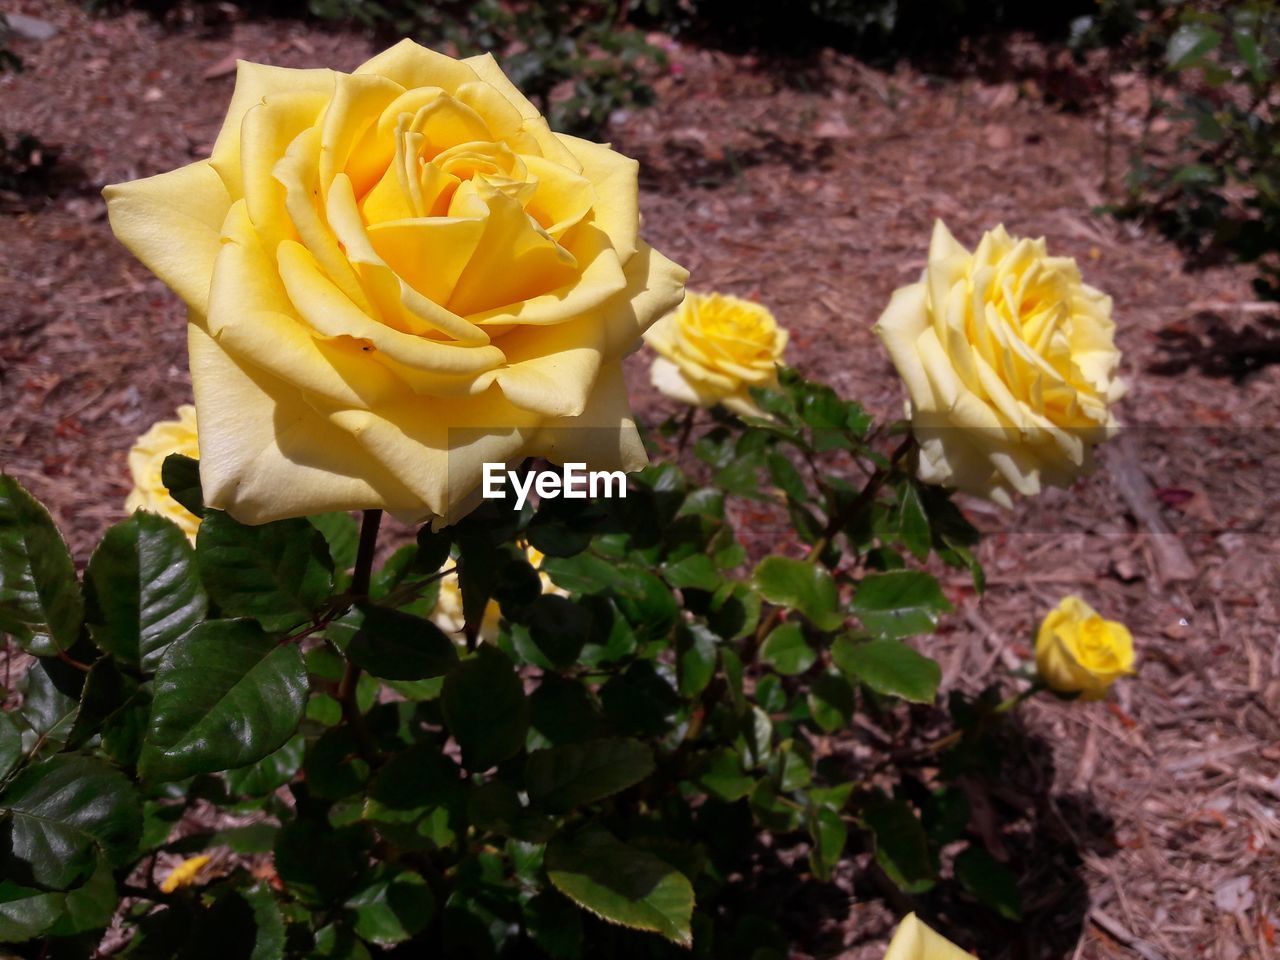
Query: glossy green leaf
(621, 884)
(142, 589)
(181, 477)
(115, 706)
(61, 812)
(787, 650)
(697, 571)
(899, 603)
(394, 645)
(485, 708)
(803, 586)
(226, 695)
(40, 601)
(561, 778)
(889, 667)
(391, 908)
(341, 532)
(279, 573)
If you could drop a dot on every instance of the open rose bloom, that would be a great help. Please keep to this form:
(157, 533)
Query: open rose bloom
(394, 276)
(146, 463)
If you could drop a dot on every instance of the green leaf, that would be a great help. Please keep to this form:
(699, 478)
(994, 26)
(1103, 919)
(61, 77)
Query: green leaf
(496, 807)
(830, 701)
(639, 701)
(695, 658)
(913, 522)
(50, 703)
(115, 706)
(722, 774)
(333, 767)
(899, 603)
(621, 884)
(787, 477)
(399, 646)
(320, 863)
(10, 743)
(226, 695)
(994, 884)
(803, 586)
(564, 711)
(697, 571)
(787, 651)
(555, 925)
(271, 772)
(889, 667)
(142, 589)
(181, 477)
(902, 848)
(1189, 44)
(559, 628)
(26, 913)
(485, 708)
(561, 778)
(90, 906)
(279, 573)
(40, 602)
(61, 812)
(392, 908)
(829, 833)
(342, 533)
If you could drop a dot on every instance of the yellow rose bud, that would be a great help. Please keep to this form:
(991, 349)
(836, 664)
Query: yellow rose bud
(713, 349)
(394, 276)
(914, 940)
(146, 459)
(1009, 360)
(185, 873)
(448, 614)
(1079, 652)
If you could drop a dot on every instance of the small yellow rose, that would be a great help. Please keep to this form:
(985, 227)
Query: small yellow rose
(146, 459)
(448, 614)
(914, 940)
(713, 348)
(185, 873)
(1009, 359)
(1079, 652)
(394, 276)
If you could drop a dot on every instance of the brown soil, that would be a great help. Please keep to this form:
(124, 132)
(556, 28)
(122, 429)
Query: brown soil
(1148, 826)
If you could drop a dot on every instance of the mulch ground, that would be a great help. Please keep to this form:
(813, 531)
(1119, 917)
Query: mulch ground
(1148, 826)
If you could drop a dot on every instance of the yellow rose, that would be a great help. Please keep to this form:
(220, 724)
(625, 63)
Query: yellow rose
(146, 459)
(713, 349)
(394, 276)
(1009, 360)
(448, 614)
(914, 940)
(1079, 652)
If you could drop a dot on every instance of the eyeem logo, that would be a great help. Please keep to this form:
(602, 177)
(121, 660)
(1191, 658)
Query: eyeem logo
(576, 483)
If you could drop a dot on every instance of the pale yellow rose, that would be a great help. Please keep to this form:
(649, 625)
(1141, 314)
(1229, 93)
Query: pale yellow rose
(914, 940)
(146, 459)
(715, 347)
(1009, 359)
(448, 614)
(1079, 652)
(394, 276)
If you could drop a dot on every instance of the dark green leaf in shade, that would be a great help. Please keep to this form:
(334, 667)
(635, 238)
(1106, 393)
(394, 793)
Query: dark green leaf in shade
(889, 667)
(333, 765)
(721, 773)
(564, 711)
(555, 925)
(181, 477)
(392, 907)
(60, 813)
(142, 589)
(621, 884)
(226, 695)
(994, 884)
(829, 833)
(831, 701)
(561, 778)
(495, 806)
(115, 706)
(320, 863)
(902, 848)
(787, 650)
(485, 708)
(803, 586)
(40, 601)
(639, 701)
(899, 603)
(696, 648)
(394, 645)
(559, 628)
(279, 573)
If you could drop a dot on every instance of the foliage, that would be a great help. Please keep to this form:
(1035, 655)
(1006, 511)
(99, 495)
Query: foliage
(587, 785)
(1219, 192)
(577, 62)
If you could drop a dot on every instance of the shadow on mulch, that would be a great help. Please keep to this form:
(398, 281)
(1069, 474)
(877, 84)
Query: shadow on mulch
(676, 164)
(32, 173)
(1208, 343)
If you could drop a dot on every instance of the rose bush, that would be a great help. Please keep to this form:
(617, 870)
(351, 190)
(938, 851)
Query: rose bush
(714, 349)
(146, 461)
(393, 276)
(1010, 364)
(1077, 651)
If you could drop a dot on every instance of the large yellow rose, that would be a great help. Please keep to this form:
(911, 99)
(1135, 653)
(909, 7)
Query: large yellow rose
(1009, 360)
(394, 276)
(713, 349)
(1079, 652)
(914, 940)
(146, 460)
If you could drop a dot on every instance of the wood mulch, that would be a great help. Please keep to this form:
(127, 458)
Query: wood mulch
(1148, 826)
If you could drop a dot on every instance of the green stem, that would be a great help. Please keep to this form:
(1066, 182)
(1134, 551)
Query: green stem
(347, 687)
